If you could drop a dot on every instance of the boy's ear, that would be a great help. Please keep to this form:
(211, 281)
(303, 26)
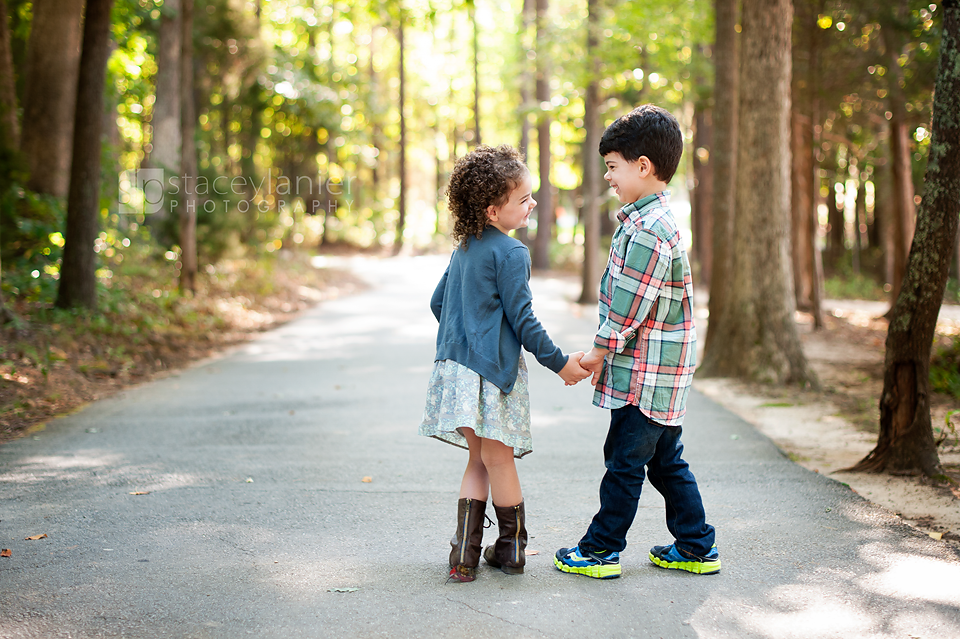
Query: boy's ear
(644, 166)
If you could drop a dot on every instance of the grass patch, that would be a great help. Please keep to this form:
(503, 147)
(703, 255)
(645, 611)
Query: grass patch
(54, 360)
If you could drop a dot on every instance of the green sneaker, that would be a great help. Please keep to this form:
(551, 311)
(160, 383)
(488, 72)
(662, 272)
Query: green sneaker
(604, 564)
(676, 559)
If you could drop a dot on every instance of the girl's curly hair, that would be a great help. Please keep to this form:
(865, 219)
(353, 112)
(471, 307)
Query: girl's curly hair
(483, 177)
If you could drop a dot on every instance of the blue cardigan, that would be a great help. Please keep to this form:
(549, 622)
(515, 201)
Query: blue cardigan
(485, 309)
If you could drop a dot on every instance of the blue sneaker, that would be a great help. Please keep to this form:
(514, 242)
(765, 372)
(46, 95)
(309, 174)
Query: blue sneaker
(604, 564)
(676, 559)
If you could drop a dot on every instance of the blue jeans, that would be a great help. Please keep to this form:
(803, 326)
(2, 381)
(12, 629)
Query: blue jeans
(632, 443)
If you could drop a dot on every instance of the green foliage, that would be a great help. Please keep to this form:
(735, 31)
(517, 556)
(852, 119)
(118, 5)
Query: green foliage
(945, 369)
(854, 287)
(947, 432)
(842, 282)
(31, 227)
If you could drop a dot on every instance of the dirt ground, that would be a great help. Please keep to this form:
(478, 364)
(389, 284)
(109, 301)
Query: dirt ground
(831, 430)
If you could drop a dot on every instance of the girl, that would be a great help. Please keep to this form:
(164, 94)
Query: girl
(477, 398)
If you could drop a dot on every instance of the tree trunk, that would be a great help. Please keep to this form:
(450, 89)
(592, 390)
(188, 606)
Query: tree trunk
(591, 164)
(859, 218)
(166, 121)
(476, 72)
(723, 157)
(78, 280)
(813, 84)
(702, 200)
(541, 243)
(903, 210)
(189, 201)
(9, 128)
(801, 205)
(757, 337)
(526, 104)
(906, 444)
(837, 225)
(50, 94)
(804, 184)
(402, 201)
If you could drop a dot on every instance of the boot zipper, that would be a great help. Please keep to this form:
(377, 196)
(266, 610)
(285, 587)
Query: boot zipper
(516, 536)
(463, 536)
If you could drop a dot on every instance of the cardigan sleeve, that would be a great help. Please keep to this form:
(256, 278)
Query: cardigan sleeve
(436, 302)
(513, 283)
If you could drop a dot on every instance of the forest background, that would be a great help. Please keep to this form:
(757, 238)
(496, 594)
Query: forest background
(234, 140)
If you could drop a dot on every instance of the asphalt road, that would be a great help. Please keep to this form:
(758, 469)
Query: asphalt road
(258, 522)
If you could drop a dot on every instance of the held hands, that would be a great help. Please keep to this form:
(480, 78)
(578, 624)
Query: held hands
(572, 372)
(593, 362)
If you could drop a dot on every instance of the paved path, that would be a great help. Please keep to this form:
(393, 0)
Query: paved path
(257, 511)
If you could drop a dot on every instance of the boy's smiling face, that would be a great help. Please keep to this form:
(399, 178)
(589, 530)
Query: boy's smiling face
(624, 177)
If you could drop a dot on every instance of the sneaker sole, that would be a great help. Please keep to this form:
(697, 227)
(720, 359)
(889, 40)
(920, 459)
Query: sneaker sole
(610, 571)
(696, 567)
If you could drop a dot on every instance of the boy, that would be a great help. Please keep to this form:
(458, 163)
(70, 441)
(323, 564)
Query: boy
(643, 357)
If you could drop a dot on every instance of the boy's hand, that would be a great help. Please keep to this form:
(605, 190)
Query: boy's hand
(593, 362)
(572, 372)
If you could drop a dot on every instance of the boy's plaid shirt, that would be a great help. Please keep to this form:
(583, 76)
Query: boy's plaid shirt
(646, 315)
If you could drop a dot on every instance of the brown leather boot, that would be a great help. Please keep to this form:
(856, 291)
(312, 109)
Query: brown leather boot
(468, 541)
(507, 553)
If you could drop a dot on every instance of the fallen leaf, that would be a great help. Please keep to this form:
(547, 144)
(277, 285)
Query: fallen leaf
(34, 538)
(529, 552)
(6, 552)
(936, 535)
(343, 590)
(367, 479)
(141, 492)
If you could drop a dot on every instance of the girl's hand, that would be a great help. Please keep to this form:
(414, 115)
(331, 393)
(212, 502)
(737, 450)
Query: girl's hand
(572, 372)
(593, 362)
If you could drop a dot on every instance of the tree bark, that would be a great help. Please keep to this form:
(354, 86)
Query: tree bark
(702, 201)
(476, 72)
(805, 227)
(9, 127)
(166, 141)
(402, 200)
(837, 224)
(50, 94)
(757, 337)
(903, 210)
(591, 164)
(723, 156)
(541, 243)
(526, 104)
(906, 444)
(189, 200)
(78, 281)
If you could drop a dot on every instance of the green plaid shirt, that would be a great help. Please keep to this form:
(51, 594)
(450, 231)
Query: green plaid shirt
(646, 315)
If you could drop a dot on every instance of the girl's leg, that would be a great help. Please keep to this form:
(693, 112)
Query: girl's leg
(508, 553)
(476, 482)
(501, 472)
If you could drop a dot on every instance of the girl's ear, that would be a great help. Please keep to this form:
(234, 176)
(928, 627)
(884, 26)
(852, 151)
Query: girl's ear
(491, 213)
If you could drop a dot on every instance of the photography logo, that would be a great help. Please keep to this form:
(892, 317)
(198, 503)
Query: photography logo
(141, 191)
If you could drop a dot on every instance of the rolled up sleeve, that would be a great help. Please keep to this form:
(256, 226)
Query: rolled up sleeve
(635, 293)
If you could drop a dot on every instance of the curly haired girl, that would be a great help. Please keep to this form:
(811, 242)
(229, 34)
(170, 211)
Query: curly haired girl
(477, 396)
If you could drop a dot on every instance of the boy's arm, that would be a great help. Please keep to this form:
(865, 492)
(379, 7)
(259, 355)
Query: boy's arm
(635, 291)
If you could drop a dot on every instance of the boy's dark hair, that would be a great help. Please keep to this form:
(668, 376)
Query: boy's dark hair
(485, 176)
(647, 130)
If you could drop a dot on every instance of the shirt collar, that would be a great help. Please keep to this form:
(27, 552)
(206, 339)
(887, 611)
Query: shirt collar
(661, 197)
